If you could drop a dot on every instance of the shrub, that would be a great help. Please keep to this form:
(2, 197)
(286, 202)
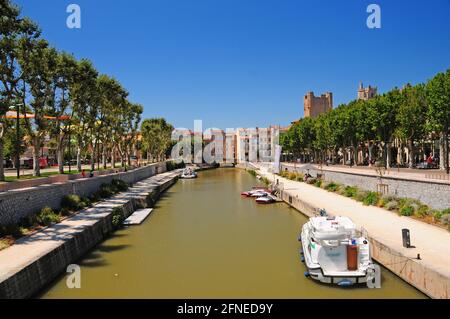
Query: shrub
(117, 217)
(331, 187)
(387, 199)
(423, 211)
(86, 202)
(316, 182)
(29, 221)
(265, 181)
(284, 174)
(361, 195)
(407, 210)
(10, 230)
(392, 205)
(350, 191)
(409, 204)
(106, 190)
(445, 219)
(71, 202)
(252, 172)
(47, 216)
(371, 199)
(446, 211)
(64, 212)
(120, 185)
(172, 165)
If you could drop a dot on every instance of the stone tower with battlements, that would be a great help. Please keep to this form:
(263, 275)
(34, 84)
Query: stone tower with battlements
(316, 105)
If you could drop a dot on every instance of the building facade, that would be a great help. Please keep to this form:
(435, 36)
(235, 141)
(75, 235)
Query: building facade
(316, 105)
(366, 93)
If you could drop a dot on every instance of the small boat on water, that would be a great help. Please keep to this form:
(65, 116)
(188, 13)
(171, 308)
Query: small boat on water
(332, 252)
(188, 173)
(256, 192)
(268, 199)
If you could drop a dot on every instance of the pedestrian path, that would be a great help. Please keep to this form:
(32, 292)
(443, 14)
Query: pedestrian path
(431, 242)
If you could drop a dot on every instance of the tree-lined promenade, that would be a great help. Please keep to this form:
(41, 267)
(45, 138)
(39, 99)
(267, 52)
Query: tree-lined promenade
(67, 101)
(362, 132)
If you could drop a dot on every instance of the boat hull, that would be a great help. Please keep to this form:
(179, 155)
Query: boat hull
(316, 272)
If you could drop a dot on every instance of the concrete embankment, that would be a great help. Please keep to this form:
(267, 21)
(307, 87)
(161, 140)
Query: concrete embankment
(430, 274)
(35, 261)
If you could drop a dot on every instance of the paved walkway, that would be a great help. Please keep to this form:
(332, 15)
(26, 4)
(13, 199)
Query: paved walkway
(29, 249)
(408, 174)
(431, 242)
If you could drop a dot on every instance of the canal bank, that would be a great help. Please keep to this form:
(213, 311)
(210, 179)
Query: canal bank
(35, 261)
(430, 274)
(203, 240)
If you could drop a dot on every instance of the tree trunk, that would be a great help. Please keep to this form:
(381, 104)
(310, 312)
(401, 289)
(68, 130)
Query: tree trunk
(79, 159)
(388, 155)
(442, 152)
(104, 157)
(36, 149)
(113, 157)
(446, 153)
(93, 158)
(2, 166)
(60, 151)
(370, 153)
(411, 154)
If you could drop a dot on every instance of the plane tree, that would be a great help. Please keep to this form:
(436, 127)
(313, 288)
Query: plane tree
(438, 100)
(13, 30)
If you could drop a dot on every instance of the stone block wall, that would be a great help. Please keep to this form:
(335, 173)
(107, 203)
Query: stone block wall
(433, 194)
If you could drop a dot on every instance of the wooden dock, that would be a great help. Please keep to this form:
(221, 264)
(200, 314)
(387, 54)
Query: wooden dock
(138, 217)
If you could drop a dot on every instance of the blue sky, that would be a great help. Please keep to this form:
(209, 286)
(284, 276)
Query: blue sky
(247, 63)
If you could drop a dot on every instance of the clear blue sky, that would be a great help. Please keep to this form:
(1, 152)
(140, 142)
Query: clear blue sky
(247, 63)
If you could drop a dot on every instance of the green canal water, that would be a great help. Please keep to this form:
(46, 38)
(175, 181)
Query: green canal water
(204, 241)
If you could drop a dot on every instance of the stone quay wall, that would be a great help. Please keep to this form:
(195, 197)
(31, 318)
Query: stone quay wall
(16, 205)
(432, 193)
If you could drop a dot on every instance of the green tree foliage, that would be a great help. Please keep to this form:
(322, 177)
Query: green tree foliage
(66, 98)
(156, 137)
(408, 116)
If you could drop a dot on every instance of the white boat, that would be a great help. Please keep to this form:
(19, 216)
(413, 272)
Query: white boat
(188, 174)
(268, 199)
(333, 254)
(259, 193)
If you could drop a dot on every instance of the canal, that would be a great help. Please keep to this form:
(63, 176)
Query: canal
(204, 241)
